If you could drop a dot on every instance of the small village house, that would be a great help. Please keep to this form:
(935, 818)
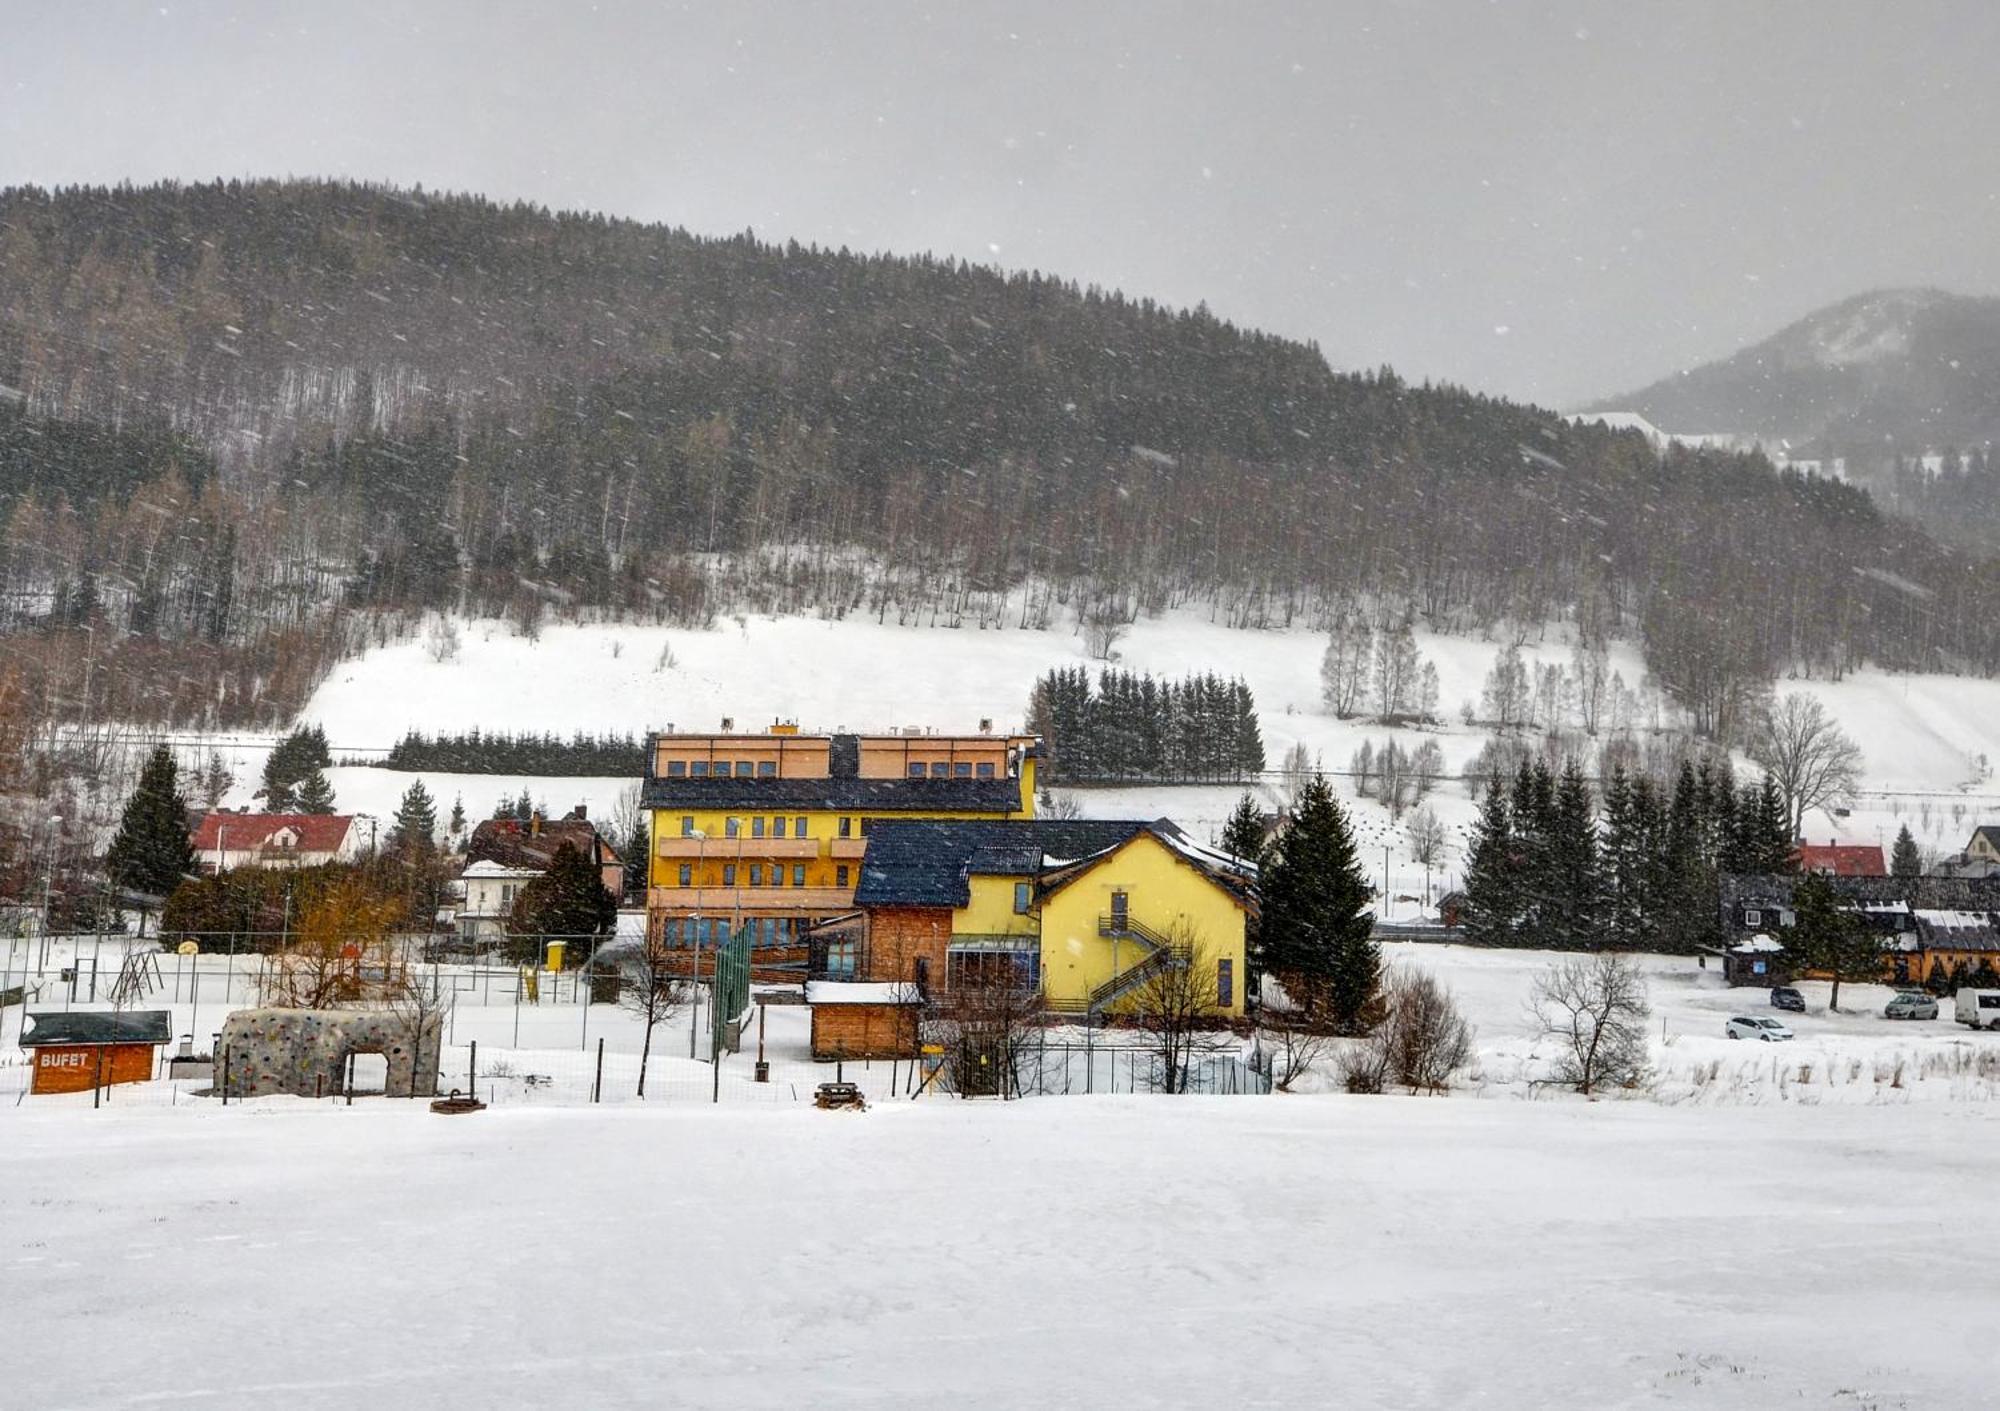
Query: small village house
(505, 854)
(1836, 859)
(228, 839)
(1981, 857)
(530, 845)
(1931, 928)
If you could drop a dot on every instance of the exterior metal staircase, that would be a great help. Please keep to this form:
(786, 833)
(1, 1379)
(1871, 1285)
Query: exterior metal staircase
(1160, 955)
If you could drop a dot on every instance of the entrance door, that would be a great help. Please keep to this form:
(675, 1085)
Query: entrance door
(1119, 909)
(371, 1074)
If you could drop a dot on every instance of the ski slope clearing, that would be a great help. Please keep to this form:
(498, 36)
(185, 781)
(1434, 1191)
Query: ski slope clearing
(1923, 737)
(1361, 1252)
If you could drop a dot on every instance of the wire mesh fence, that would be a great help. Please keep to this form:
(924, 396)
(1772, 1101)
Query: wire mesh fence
(517, 1035)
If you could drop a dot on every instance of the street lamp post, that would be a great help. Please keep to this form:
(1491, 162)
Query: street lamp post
(694, 938)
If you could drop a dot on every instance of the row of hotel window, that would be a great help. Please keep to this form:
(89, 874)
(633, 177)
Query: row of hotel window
(735, 827)
(714, 930)
(768, 769)
(757, 872)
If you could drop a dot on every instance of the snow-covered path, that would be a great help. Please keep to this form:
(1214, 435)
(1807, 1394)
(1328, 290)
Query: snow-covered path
(1360, 1252)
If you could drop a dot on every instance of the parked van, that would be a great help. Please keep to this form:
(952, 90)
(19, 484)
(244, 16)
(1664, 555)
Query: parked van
(1979, 1008)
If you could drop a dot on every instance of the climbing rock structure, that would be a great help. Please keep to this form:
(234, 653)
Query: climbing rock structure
(304, 1052)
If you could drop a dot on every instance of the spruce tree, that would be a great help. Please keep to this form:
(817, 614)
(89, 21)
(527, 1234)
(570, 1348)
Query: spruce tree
(152, 851)
(1317, 928)
(1575, 910)
(1830, 937)
(1623, 861)
(315, 793)
(415, 831)
(567, 902)
(1243, 836)
(1491, 915)
(1687, 896)
(1904, 859)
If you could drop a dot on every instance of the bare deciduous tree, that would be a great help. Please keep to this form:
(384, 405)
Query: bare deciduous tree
(1426, 1038)
(1295, 769)
(1299, 1034)
(984, 1020)
(418, 1001)
(1427, 843)
(1426, 767)
(1102, 630)
(1065, 805)
(1809, 757)
(1504, 698)
(341, 950)
(650, 987)
(1177, 1005)
(1343, 670)
(1595, 1007)
(1420, 1042)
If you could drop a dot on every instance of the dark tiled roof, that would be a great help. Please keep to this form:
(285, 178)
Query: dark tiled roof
(848, 795)
(927, 863)
(138, 1026)
(512, 843)
(1927, 893)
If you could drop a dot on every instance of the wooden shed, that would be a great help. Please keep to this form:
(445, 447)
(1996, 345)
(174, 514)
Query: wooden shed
(76, 1051)
(863, 1019)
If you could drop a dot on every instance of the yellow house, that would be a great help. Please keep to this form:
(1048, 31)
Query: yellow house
(1084, 912)
(768, 830)
(1110, 920)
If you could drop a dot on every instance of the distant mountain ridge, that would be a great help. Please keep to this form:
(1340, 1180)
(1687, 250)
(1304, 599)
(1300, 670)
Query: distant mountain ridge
(1886, 373)
(242, 422)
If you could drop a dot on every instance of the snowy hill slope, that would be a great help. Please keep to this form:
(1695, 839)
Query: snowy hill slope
(1922, 735)
(1912, 368)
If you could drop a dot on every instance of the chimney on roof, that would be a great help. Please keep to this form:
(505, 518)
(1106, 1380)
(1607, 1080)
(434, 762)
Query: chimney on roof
(535, 824)
(579, 814)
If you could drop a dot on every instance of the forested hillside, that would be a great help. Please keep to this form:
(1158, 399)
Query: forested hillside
(238, 414)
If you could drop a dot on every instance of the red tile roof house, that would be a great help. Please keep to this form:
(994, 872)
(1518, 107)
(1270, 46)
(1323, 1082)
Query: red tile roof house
(1843, 860)
(226, 840)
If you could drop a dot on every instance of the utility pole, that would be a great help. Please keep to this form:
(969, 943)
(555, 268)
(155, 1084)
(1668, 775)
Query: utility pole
(48, 884)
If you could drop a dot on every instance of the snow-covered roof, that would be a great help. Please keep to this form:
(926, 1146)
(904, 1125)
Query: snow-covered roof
(1758, 942)
(860, 992)
(1205, 856)
(491, 870)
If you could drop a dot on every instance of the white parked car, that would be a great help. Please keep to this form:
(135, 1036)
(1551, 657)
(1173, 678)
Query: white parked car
(1769, 1030)
(1911, 1005)
(1979, 1008)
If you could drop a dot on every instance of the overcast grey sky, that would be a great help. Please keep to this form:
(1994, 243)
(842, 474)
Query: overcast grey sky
(1549, 199)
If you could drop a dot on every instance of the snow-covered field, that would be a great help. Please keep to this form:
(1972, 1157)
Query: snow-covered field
(1922, 735)
(1760, 1226)
(1353, 1252)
